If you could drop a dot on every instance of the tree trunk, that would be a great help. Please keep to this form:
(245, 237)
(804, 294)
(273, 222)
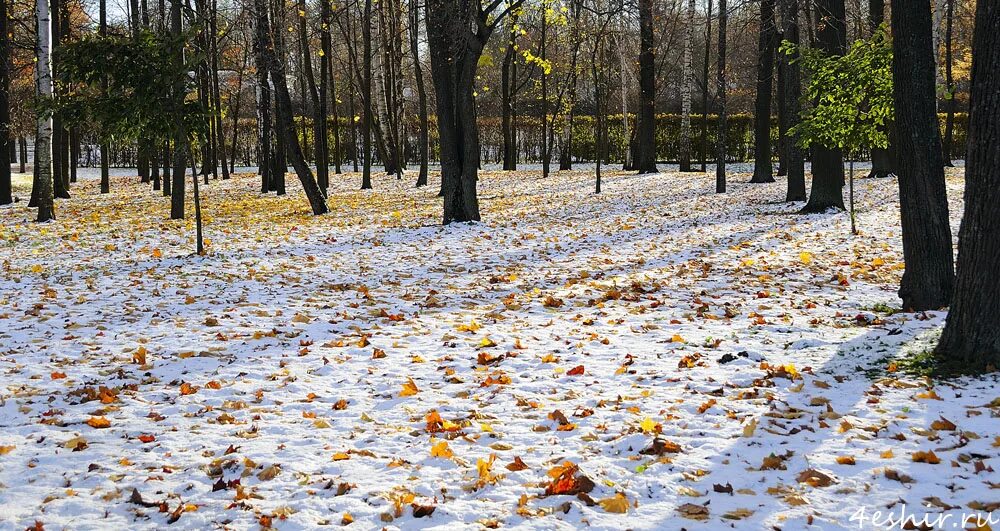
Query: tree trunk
(418, 74)
(882, 158)
(508, 82)
(59, 188)
(74, 151)
(687, 85)
(762, 170)
(780, 101)
(177, 191)
(971, 338)
(645, 162)
(286, 125)
(263, 92)
(949, 80)
(704, 88)
(722, 130)
(923, 203)
(105, 147)
(43, 91)
(323, 141)
(366, 98)
(220, 136)
(6, 192)
(319, 110)
(792, 90)
(828, 164)
(543, 104)
(455, 53)
(167, 161)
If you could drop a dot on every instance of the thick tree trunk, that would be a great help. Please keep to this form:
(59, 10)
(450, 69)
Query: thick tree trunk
(59, 181)
(762, 170)
(792, 90)
(181, 147)
(262, 89)
(6, 192)
(722, 130)
(645, 161)
(828, 164)
(455, 54)
(687, 85)
(929, 275)
(971, 338)
(43, 91)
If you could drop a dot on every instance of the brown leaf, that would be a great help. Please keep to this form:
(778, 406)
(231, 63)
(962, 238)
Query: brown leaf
(517, 465)
(420, 511)
(693, 511)
(814, 478)
(661, 446)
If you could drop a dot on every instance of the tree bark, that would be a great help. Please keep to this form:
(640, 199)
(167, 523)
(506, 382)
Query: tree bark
(828, 164)
(58, 151)
(508, 93)
(286, 125)
(43, 91)
(792, 90)
(180, 147)
(418, 74)
(263, 93)
(762, 169)
(722, 130)
(971, 338)
(923, 204)
(687, 85)
(105, 147)
(6, 191)
(455, 49)
(949, 80)
(704, 88)
(319, 110)
(366, 98)
(645, 161)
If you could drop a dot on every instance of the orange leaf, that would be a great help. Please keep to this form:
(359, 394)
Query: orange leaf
(98, 422)
(576, 371)
(928, 457)
(409, 388)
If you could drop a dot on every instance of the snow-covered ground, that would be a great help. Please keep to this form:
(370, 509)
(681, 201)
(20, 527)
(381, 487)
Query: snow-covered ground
(700, 360)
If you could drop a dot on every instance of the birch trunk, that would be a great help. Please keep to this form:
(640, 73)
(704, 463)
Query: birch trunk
(43, 91)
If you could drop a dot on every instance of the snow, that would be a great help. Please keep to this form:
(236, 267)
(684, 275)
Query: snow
(696, 314)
